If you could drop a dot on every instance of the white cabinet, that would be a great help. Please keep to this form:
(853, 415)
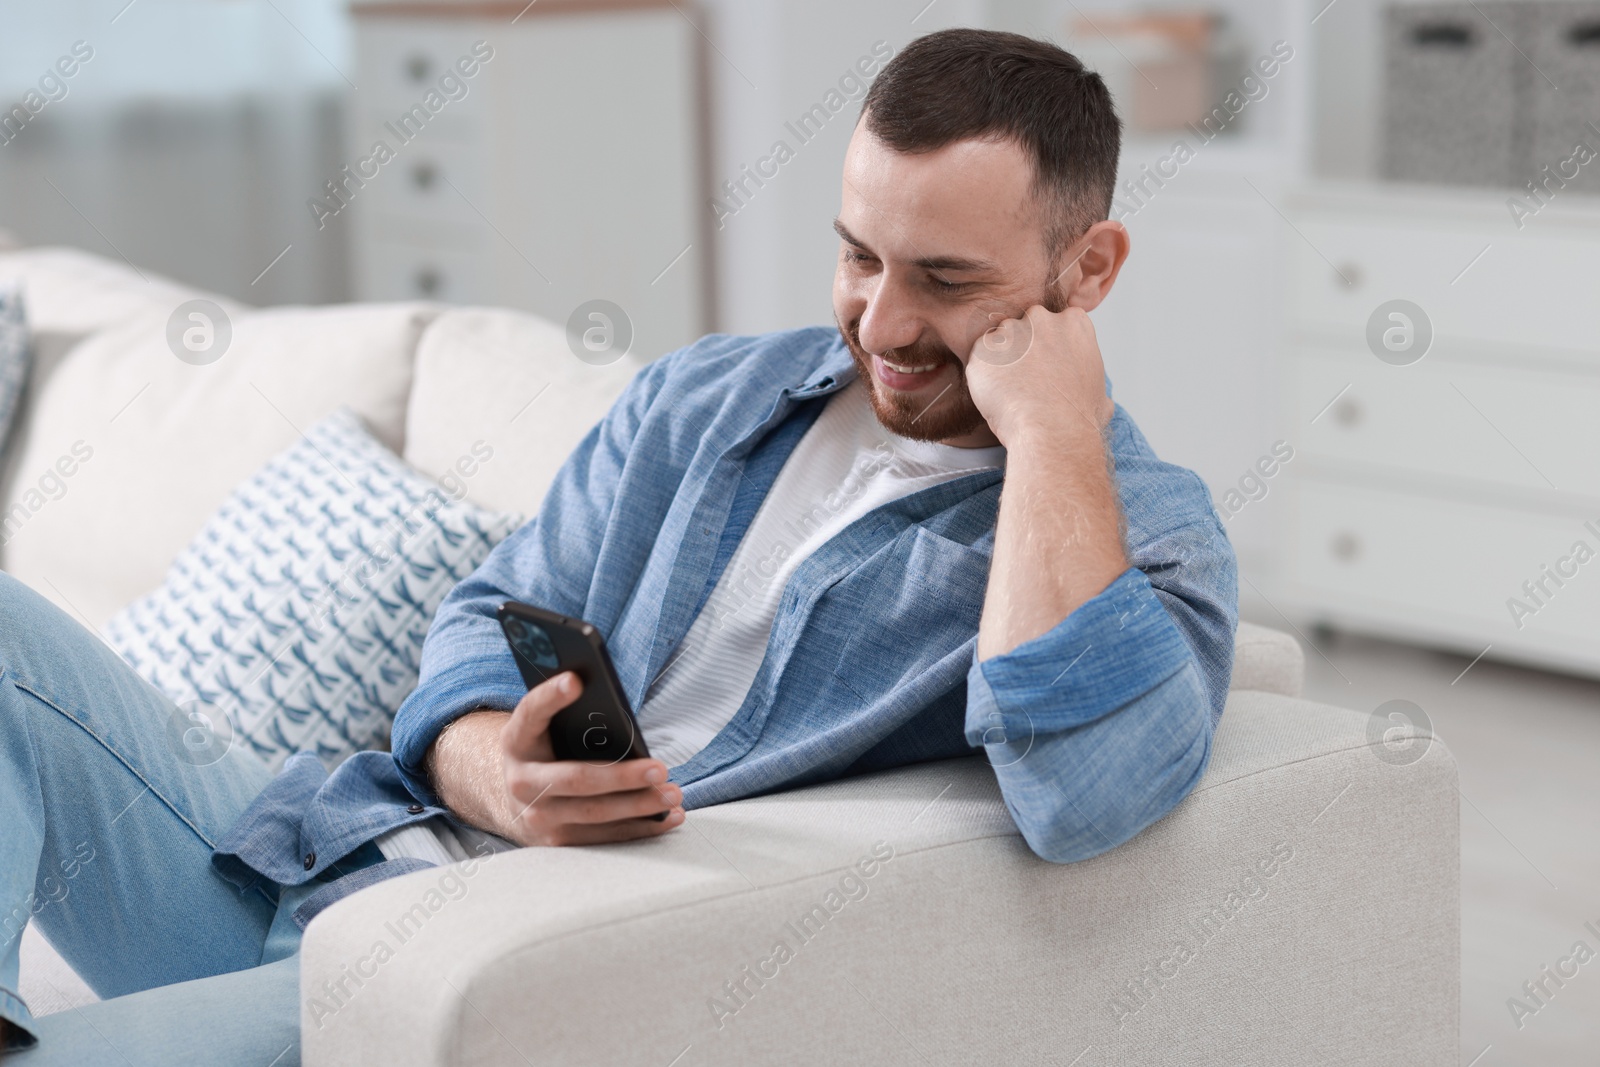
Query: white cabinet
(1455, 499)
(542, 156)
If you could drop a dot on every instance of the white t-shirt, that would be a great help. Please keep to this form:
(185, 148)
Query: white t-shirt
(845, 466)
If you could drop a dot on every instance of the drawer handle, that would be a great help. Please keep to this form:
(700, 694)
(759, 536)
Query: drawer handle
(1584, 34)
(1349, 276)
(427, 281)
(423, 175)
(1441, 35)
(418, 67)
(1349, 412)
(1346, 546)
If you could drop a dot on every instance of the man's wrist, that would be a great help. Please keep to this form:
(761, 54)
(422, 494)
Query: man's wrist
(1070, 438)
(442, 743)
(463, 766)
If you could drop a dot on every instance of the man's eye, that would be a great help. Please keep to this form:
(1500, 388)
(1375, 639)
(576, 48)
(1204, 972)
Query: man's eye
(945, 285)
(852, 256)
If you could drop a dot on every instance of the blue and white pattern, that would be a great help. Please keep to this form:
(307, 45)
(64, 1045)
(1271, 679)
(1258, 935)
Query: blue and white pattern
(15, 356)
(298, 612)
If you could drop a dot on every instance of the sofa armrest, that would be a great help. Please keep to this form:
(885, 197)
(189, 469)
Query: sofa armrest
(1267, 660)
(1302, 905)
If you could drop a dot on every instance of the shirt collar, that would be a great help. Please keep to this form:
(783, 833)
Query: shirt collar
(836, 371)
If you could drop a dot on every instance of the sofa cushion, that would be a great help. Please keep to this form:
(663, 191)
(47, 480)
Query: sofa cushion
(72, 292)
(157, 443)
(506, 382)
(297, 615)
(69, 295)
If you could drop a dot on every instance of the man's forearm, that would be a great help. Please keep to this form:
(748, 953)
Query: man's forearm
(465, 766)
(1058, 539)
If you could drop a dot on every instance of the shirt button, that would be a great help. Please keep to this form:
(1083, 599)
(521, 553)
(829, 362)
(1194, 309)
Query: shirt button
(414, 809)
(311, 860)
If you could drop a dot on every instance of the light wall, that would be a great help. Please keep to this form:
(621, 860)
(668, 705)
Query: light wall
(775, 256)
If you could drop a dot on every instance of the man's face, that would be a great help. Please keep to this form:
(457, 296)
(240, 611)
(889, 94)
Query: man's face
(934, 249)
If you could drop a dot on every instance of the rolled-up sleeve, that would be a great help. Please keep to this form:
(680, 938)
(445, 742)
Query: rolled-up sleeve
(550, 561)
(1100, 726)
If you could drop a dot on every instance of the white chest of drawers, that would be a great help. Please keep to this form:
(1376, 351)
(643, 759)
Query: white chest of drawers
(565, 169)
(1453, 500)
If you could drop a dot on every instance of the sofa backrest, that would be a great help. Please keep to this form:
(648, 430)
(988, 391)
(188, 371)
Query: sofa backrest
(124, 451)
(498, 402)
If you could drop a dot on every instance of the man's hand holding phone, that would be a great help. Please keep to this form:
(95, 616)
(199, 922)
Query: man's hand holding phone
(498, 771)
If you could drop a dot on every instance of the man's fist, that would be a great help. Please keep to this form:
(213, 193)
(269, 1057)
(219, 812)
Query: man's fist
(1040, 374)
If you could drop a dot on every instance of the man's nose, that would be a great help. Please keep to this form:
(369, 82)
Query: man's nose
(889, 321)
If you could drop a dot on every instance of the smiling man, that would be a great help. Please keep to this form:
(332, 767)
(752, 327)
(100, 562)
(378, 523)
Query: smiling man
(926, 531)
(923, 532)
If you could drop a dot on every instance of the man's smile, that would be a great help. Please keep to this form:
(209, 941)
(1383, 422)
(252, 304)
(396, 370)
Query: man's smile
(906, 377)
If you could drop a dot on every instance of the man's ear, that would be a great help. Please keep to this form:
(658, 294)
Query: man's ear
(1093, 263)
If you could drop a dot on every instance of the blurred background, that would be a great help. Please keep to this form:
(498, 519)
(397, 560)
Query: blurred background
(1361, 301)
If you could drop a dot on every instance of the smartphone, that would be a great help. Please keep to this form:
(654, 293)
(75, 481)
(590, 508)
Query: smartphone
(598, 726)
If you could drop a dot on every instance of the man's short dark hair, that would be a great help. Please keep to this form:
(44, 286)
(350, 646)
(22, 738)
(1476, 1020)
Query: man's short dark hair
(963, 84)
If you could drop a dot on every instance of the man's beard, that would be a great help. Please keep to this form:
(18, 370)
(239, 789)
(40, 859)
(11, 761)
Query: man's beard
(938, 418)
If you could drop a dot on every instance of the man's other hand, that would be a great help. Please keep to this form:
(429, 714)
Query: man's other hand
(497, 771)
(1040, 375)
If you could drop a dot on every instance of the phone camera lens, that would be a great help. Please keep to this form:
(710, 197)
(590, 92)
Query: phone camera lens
(532, 643)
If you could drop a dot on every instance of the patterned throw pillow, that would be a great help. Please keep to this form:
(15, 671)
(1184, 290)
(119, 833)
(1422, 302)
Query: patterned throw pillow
(297, 614)
(14, 356)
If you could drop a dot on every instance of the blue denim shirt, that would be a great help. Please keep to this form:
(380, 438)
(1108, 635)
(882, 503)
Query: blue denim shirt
(1095, 729)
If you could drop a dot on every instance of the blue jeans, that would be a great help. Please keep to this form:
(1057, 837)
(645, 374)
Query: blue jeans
(108, 814)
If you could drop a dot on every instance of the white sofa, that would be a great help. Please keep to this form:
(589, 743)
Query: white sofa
(1301, 907)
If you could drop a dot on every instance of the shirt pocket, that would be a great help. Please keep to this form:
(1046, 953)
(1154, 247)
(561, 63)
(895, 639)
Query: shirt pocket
(905, 610)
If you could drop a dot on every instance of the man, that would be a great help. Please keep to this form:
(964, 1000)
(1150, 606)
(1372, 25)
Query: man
(813, 554)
